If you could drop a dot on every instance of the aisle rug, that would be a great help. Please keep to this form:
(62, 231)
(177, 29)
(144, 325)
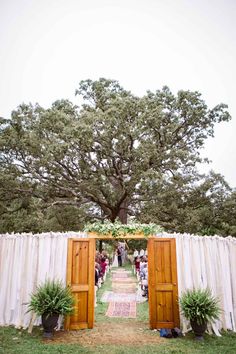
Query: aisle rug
(110, 296)
(119, 276)
(121, 271)
(125, 280)
(122, 309)
(123, 285)
(123, 288)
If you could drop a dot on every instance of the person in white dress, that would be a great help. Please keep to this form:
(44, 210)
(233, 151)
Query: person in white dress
(115, 260)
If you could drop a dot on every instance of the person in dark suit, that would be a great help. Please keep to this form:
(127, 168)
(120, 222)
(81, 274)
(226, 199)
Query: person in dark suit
(119, 254)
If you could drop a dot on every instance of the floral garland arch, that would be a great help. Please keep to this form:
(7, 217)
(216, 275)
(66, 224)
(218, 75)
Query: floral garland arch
(117, 229)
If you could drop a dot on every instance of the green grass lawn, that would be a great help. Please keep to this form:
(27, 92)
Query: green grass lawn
(13, 341)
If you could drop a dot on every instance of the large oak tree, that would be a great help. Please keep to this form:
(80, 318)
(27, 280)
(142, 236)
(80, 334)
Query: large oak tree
(106, 159)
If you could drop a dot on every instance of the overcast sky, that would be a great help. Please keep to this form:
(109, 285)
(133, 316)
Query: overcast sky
(48, 46)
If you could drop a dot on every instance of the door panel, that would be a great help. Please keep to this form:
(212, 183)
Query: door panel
(80, 276)
(162, 283)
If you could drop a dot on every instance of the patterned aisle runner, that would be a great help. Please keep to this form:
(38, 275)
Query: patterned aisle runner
(123, 288)
(122, 309)
(122, 298)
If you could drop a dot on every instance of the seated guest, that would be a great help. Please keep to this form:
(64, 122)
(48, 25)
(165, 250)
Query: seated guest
(103, 266)
(107, 266)
(98, 269)
(97, 257)
(144, 279)
(143, 271)
(143, 261)
(96, 274)
(137, 264)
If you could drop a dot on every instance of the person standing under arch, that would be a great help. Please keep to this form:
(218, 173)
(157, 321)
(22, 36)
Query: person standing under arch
(119, 253)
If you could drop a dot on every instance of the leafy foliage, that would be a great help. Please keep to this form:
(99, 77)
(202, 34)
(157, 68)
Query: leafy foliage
(117, 229)
(199, 305)
(50, 298)
(199, 205)
(117, 156)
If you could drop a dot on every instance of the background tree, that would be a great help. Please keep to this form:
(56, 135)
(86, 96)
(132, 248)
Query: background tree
(195, 204)
(113, 157)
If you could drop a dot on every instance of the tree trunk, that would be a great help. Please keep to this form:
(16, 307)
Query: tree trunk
(123, 212)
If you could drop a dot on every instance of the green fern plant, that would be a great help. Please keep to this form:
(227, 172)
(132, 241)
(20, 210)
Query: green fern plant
(51, 298)
(199, 305)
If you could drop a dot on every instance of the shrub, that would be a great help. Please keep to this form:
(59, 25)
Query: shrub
(199, 305)
(52, 298)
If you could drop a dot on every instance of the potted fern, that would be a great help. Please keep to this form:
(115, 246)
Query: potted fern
(200, 307)
(50, 300)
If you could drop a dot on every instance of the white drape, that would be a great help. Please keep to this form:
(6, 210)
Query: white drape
(26, 260)
(208, 261)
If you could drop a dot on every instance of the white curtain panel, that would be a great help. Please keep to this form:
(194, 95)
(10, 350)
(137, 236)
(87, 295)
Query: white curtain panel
(208, 262)
(27, 260)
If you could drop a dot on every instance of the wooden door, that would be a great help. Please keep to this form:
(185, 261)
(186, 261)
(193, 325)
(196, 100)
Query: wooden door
(162, 283)
(80, 276)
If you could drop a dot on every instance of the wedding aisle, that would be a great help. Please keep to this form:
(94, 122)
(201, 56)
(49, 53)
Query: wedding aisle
(123, 297)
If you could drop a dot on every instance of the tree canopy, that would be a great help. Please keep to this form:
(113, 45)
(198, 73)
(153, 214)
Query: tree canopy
(118, 155)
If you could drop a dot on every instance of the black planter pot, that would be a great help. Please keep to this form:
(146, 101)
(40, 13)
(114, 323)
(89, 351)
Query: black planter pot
(199, 330)
(49, 322)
